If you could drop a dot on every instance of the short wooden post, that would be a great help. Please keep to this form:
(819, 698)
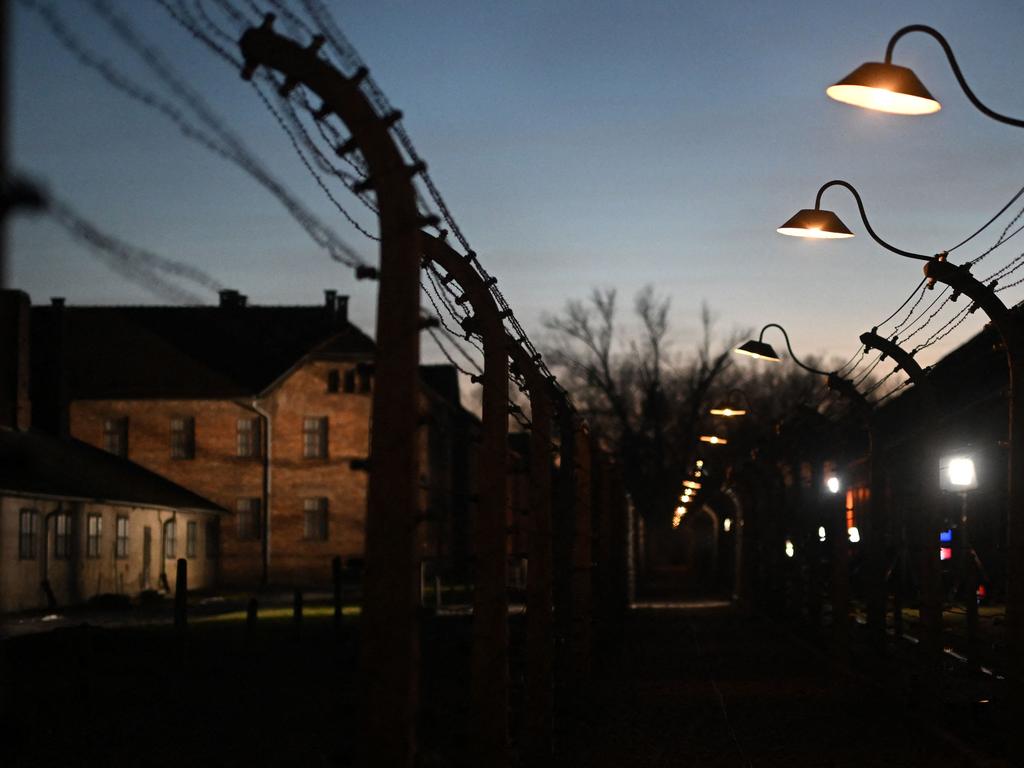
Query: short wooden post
(251, 614)
(297, 612)
(336, 580)
(181, 596)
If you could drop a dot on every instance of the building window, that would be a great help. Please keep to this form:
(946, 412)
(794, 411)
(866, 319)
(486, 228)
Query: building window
(190, 539)
(183, 437)
(170, 539)
(212, 538)
(333, 380)
(121, 541)
(94, 535)
(115, 435)
(314, 437)
(248, 519)
(315, 519)
(364, 374)
(28, 529)
(62, 536)
(248, 438)
(350, 380)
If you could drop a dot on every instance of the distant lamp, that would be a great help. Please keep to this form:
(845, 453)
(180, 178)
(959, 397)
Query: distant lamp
(854, 533)
(713, 439)
(887, 87)
(832, 484)
(821, 533)
(790, 549)
(692, 484)
(956, 473)
(700, 462)
(758, 350)
(730, 407)
(761, 350)
(818, 223)
(727, 524)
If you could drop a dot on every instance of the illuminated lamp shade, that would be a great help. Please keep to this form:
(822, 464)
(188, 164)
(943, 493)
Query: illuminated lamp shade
(713, 439)
(885, 88)
(759, 350)
(815, 222)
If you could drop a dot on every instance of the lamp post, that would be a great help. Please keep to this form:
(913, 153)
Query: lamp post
(957, 475)
(888, 87)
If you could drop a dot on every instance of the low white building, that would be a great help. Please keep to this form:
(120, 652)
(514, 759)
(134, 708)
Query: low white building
(76, 522)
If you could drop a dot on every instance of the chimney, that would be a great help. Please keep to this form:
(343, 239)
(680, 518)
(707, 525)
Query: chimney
(337, 306)
(231, 299)
(15, 406)
(57, 302)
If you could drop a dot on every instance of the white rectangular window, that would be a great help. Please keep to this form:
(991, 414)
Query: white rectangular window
(94, 535)
(315, 519)
(121, 542)
(170, 539)
(62, 536)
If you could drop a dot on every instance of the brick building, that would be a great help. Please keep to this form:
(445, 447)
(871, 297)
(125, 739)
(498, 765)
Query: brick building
(76, 521)
(263, 409)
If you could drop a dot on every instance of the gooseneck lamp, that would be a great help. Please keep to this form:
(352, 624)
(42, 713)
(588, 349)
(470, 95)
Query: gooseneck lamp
(888, 87)
(762, 350)
(818, 223)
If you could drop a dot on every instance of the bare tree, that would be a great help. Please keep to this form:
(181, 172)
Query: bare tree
(646, 401)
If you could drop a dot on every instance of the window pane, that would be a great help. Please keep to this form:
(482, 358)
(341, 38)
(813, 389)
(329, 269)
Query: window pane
(248, 438)
(62, 536)
(115, 435)
(315, 519)
(94, 533)
(190, 539)
(28, 523)
(183, 437)
(314, 437)
(170, 539)
(248, 518)
(121, 542)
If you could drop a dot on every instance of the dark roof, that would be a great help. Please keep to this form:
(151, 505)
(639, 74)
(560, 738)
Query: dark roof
(185, 351)
(36, 463)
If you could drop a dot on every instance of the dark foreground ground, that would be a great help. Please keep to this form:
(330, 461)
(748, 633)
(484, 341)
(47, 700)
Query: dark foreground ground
(696, 687)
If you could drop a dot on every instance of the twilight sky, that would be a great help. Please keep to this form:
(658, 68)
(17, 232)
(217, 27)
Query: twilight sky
(578, 144)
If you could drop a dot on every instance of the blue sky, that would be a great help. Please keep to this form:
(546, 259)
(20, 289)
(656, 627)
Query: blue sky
(579, 144)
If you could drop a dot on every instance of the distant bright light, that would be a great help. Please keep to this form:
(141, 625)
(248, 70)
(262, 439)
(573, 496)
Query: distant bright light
(790, 551)
(945, 553)
(728, 412)
(832, 484)
(821, 533)
(698, 473)
(680, 510)
(854, 535)
(692, 484)
(946, 536)
(727, 524)
(961, 472)
(713, 439)
(700, 463)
